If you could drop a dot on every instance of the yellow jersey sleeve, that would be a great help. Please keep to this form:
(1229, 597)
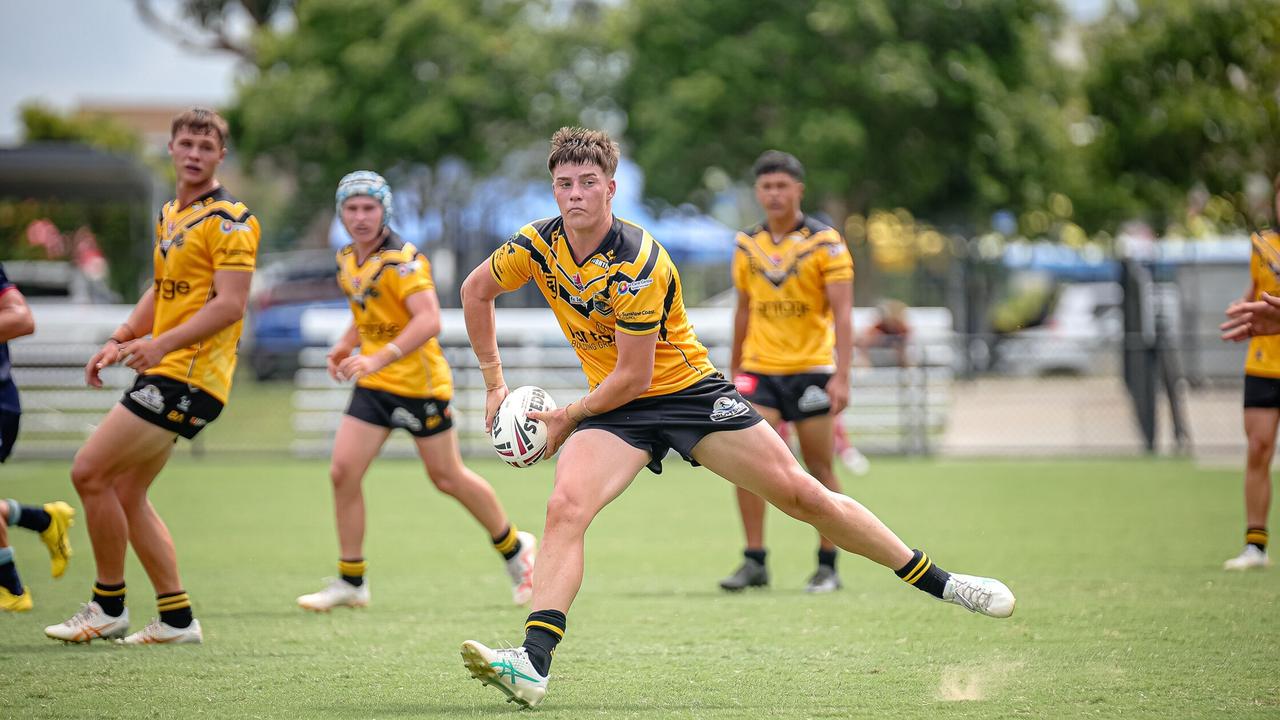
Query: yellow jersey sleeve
(233, 245)
(414, 276)
(511, 265)
(638, 304)
(837, 262)
(741, 267)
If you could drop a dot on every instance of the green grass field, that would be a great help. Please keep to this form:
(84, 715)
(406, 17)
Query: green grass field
(1122, 608)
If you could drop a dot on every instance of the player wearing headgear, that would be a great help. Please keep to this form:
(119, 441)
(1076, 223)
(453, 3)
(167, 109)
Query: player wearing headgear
(401, 381)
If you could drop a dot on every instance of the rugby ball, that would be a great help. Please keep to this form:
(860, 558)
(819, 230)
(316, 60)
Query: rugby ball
(520, 440)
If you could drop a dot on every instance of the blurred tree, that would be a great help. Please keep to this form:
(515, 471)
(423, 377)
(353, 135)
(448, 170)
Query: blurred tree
(398, 86)
(1185, 94)
(211, 25)
(43, 124)
(949, 109)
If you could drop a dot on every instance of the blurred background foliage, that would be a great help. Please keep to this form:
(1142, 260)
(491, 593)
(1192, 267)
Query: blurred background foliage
(922, 123)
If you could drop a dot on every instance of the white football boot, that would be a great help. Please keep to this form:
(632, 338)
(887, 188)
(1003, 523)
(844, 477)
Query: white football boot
(986, 596)
(1249, 558)
(90, 624)
(338, 593)
(520, 568)
(508, 669)
(159, 633)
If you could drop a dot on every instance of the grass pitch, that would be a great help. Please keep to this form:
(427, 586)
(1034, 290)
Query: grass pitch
(1122, 608)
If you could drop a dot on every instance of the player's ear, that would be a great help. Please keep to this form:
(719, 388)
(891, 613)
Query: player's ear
(613, 188)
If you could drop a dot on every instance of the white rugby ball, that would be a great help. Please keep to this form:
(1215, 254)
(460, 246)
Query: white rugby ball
(520, 440)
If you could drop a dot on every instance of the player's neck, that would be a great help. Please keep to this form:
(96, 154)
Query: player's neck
(584, 242)
(188, 193)
(780, 225)
(365, 248)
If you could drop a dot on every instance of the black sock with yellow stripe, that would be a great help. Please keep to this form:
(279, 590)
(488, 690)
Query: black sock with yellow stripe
(921, 572)
(110, 598)
(507, 542)
(175, 609)
(542, 632)
(353, 571)
(1257, 537)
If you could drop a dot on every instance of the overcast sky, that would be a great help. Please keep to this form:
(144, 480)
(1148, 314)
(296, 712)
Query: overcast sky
(65, 52)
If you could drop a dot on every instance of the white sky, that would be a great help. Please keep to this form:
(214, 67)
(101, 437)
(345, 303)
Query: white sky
(65, 52)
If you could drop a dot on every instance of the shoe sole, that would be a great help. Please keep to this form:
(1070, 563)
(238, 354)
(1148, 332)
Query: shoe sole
(731, 589)
(118, 635)
(481, 670)
(317, 609)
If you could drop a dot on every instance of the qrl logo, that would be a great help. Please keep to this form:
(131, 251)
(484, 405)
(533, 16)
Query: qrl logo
(168, 288)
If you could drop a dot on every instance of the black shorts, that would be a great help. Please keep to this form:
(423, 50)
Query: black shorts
(8, 432)
(422, 417)
(796, 397)
(1261, 392)
(171, 404)
(677, 421)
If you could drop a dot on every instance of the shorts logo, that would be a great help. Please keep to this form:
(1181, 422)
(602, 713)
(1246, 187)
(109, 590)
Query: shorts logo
(184, 404)
(430, 409)
(814, 398)
(175, 417)
(746, 384)
(403, 418)
(149, 397)
(726, 408)
(198, 422)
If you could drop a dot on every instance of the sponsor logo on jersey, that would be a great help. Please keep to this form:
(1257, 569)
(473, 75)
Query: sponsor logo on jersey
(409, 268)
(405, 419)
(227, 227)
(726, 408)
(633, 287)
(149, 397)
(169, 288)
(599, 263)
(813, 398)
(576, 279)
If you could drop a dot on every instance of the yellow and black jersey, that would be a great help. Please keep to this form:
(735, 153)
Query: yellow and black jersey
(790, 327)
(628, 285)
(215, 232)
(376, 290)
(1263, 359)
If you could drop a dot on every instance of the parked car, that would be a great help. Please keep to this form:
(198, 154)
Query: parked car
(1079, 335)
(284, 287)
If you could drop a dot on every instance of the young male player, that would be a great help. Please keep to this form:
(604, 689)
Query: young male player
(402, 381)
(794, 278)
(1261, 395)
(617, 296)
(205, 251)
(50, 520)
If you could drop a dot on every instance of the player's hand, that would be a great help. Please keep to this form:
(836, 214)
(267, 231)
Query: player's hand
(838, 392)
(559, 427)
(143, 354)
(107, 356)
(1250, 319)
(493, 397)
(358, 366)
(336, 355)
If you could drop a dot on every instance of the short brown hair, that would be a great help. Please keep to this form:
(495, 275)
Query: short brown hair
(200, 121)
(580, 146)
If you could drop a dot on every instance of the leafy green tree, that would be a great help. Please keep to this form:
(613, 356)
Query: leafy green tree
(1186, 94)
(396, 86)
(210, 25)
(950, 109)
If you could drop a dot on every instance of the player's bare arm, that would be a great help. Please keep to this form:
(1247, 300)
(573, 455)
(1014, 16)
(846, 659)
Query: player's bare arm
(138, 324)
(424, 307)
(840, 297)
(230, 295)
(741, 319)
(629, 379)
(341, 350)
(15, 317)
(479, 291)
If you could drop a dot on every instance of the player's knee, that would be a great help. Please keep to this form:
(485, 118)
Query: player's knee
(447, 480)
(566, 511)
(805, 499)
(343, 476)
(130, 496)
(86, 475)
(1261, 449)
